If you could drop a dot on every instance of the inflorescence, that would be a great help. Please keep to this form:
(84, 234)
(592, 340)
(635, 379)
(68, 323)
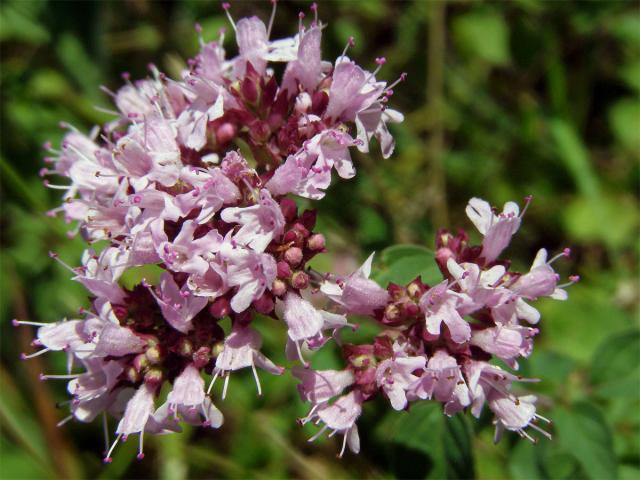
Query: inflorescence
(165, 184)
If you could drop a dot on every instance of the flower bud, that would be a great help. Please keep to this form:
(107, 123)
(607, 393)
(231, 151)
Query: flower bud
(284, 270)
(185, 347)
(316, 242)
(279, 287)
(153, 355)
(411, 309)
(249, 90)
(140, 362)
(153, 376)
(225, 133)
(303, 103)
(391, 313)
(264, 304)
(300, 280)
(132, 374)
(289, 209)
(217, 349)
(201, 357)
(293, 256)
(220, 308)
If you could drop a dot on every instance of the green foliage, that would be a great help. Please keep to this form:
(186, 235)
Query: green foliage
(526, 97)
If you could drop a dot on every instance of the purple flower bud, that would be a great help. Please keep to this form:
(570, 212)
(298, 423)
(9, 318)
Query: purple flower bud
(201, 357)
(279, 288)
(300, 280)
(293, 256)
(289, 209)
(153, 376)
(264, 304)
(316, 242)
(284, 270)
(220, 308)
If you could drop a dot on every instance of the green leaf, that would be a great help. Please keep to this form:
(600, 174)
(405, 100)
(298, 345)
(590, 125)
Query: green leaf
(573, 153)
(446, 440)
(403, 263)
(79, 64)
(398, 252)
(624, 118)
(583, 433)
(483, 34)
(615, 368)
(608, 219)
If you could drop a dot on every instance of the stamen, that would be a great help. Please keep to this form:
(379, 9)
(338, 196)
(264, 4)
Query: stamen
(544, 419)
(314, 9)
(55, 187)
(140, 455)
(344, 444)
(318, 433)
(403, 77)
(226, 6)
(350, 43)
(226, 384)
(272, 18)
(527, 201)
(44, 377)
(64, 420)
(304, 362)
(61, 262)
(572, 279)
(255, 375)
(543, 432)
(24, 356)
(198, 28)
(105, 430)
(213, 380)
(108, 458)
(565, 253)
(17, 323)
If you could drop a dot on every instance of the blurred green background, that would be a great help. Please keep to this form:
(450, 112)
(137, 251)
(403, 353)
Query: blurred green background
(503, 99)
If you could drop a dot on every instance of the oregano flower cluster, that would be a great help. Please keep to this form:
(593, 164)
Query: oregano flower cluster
(165, 183)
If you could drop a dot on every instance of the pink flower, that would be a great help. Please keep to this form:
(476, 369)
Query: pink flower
(117, 341)
(306, 69)
(260, 223)
(496, 228)
(439, 379)
(93, 390)
(305, 321)
(439, 305)
(395, 376)
(186, 253)
(540, 281)
(481, 286)
(188, 398)
(505, 341)
(252, 272)
(352, 90)
(340, 417)
(372, 122)
(319, 386)
(241, 350)
(211, 190)
(308, 172)
(136, 415)
(100, 275)
(357, 293)
(178, 305)
(149, 152)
